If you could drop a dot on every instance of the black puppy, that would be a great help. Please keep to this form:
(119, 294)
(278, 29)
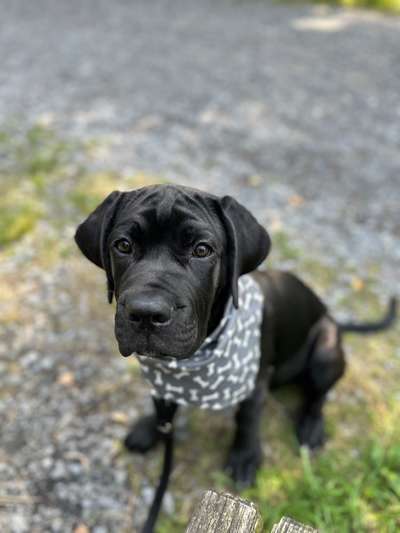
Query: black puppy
(173, 257)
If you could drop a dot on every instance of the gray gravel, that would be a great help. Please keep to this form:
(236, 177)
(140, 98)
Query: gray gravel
(212, 93)
(266, 102)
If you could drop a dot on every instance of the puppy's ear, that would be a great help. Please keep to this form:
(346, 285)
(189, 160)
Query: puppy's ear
(91, 236)
(248, 242)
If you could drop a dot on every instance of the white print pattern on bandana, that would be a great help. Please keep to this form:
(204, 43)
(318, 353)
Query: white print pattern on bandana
(223, 371)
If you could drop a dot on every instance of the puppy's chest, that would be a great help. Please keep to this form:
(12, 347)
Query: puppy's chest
(224, 369)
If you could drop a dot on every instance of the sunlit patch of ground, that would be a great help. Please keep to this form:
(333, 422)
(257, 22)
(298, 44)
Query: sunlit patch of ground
(324, 20)
(353, 484)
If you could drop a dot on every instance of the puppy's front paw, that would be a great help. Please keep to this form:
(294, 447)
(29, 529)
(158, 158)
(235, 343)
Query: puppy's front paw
(143, 436)
(242, 465)
(310, 431)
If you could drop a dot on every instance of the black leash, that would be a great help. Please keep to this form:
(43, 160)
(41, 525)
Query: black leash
(165, 415)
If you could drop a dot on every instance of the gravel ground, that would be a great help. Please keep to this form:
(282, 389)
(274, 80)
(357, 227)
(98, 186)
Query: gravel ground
(294, 109)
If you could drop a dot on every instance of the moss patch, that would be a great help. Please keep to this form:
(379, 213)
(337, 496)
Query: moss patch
(49, 180)
(390, 6)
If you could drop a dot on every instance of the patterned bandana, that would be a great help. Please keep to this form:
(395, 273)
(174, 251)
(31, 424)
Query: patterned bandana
(223, 371)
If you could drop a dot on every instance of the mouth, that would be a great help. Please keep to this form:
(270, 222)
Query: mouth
(146, 349)
(180, 343)
(148, 354)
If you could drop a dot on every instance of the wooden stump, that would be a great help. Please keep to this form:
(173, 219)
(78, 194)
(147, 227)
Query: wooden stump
(287, 525)
(224, 513)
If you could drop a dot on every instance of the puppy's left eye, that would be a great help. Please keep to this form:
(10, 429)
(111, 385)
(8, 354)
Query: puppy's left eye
(202, 250)
(123, 246)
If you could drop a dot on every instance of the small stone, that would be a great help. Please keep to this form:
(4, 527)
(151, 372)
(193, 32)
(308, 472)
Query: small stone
(19, 522)
(357, 284)
(81, 528)
(47, 462)
(254, 180)
(296, 200)
(59, 471)
(119, 417)
(75, 468)
(29, 358)
(99, 529)
(168, 504)
(147, 495)
(67, 379)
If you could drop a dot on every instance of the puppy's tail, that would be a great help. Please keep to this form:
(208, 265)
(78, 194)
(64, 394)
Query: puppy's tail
(373, 327)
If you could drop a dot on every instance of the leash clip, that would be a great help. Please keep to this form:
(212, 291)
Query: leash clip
(165, 428)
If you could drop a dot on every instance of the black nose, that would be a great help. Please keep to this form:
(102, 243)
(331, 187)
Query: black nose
(148, 309)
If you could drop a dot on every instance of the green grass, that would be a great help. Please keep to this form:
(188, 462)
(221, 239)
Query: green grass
(382, 5)
(336, 491)
(43, 179)
(33, 174)
(388, 6)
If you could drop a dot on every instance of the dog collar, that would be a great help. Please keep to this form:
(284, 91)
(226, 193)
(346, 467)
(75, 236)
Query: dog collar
(223, 371)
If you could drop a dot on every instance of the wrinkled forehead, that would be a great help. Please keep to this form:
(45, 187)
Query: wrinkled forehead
(170, 207)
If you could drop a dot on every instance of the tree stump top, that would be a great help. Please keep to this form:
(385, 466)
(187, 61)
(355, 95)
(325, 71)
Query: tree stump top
(224, 513)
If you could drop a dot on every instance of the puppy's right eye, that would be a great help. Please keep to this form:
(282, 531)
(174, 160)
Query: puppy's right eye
(202, 250)
(123, 246)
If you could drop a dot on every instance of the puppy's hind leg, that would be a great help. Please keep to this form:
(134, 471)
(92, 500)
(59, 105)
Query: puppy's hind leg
(324, 368)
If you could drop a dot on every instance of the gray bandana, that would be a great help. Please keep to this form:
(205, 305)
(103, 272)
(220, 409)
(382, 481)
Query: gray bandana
(223, 371)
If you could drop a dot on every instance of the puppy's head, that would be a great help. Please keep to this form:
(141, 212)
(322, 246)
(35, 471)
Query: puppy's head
(172, 256)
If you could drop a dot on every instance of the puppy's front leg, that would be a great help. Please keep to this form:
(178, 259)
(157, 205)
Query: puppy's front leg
(245, 455)
(148, 430)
